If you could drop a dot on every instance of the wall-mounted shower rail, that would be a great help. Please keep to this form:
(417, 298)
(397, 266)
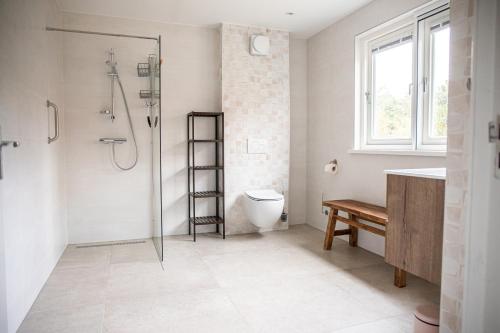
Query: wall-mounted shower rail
(99, 33)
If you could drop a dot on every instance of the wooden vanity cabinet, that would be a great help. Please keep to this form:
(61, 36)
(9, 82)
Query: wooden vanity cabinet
(414, 231)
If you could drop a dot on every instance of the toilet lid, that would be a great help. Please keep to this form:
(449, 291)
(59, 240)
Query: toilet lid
(264, 195)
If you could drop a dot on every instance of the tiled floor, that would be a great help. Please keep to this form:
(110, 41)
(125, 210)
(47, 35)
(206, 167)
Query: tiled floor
(274, 282)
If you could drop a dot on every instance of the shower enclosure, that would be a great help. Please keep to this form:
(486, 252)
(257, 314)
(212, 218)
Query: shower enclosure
(112, 117)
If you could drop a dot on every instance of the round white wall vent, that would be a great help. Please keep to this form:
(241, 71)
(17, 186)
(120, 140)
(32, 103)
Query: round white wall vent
(259, 45)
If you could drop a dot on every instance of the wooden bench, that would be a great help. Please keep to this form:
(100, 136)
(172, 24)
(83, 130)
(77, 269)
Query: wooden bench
(357, 210)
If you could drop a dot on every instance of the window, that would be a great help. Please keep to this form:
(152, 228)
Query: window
(402, 83)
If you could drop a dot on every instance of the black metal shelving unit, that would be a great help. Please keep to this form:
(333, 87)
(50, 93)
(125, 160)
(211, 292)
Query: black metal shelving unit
(218, 193)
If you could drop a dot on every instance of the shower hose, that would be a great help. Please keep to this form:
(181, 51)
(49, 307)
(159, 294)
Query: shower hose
(115, 163)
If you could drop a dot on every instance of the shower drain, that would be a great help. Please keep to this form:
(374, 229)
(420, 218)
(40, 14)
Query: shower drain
(109, 244)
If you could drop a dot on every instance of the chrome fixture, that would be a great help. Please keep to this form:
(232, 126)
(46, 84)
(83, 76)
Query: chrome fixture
(3, 144)
(113, 74)
(106, 112)
(100, 33)
(56, 121)
(113, 140)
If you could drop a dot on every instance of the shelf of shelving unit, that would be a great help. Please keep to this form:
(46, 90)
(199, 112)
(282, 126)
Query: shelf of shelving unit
(207, 167)
(218, 193)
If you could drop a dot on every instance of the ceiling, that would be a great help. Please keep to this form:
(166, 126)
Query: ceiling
(311, 16)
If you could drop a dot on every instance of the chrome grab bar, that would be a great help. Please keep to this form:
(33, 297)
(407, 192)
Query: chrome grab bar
(56, 121)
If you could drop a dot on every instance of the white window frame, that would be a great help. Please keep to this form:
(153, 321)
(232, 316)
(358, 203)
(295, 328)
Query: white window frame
(425, 142)
(364, 43)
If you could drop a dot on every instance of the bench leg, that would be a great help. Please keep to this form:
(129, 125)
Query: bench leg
(399, 277)
(330, 229)
(353, 236)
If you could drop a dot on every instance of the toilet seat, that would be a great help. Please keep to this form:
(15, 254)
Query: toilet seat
(264, 195)
(263, 208)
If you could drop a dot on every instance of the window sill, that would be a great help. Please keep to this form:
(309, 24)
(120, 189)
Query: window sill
(427, 153)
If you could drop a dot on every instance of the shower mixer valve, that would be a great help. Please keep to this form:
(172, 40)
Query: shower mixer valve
(107, 112)
(110, 111)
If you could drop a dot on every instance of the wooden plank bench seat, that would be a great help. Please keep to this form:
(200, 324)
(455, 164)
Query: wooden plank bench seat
(357, 210)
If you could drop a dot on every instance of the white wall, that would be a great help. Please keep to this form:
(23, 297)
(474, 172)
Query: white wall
(32, 193)
(298, 131)
(492, 319)
(3, 274)
(331, 120)
(481, 295)
(105, 203)
(190, 81)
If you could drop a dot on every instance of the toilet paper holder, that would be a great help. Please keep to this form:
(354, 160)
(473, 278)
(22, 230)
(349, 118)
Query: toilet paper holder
(332, 166)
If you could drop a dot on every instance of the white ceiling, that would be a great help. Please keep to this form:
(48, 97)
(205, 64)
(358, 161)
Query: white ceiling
(311, 16)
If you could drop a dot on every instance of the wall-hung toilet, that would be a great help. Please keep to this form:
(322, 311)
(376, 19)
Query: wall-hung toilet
(263, 207)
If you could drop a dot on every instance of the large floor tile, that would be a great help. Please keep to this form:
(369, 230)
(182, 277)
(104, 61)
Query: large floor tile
(73, 286)
(137, 279)
(138, 251)
(239, 268)
(344, 256)
(399, 324)
(309, 303)
(212, 244)
(76, 256)
(87, 319)
(173, 312)
(373, 285)
(228, 321)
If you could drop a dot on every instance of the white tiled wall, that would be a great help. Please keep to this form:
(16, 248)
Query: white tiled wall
(105, 203)
(256, 104)
(32, 192)
(190, 81)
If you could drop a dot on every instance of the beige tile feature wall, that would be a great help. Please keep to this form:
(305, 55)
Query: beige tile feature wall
(458, 163)
(256, 104)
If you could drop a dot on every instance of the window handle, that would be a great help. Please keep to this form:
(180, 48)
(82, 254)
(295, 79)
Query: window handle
(410, 88)
(368, 96)
(424, 84)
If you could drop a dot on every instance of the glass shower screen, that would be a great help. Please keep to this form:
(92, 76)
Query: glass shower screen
(155, 123)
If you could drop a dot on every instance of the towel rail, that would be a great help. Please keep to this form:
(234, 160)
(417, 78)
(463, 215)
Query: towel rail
(56, 121)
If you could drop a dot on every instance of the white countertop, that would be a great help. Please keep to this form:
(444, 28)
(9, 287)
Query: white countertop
(433, 173)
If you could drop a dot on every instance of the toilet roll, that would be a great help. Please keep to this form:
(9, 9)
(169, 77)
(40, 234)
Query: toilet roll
(332, 167)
